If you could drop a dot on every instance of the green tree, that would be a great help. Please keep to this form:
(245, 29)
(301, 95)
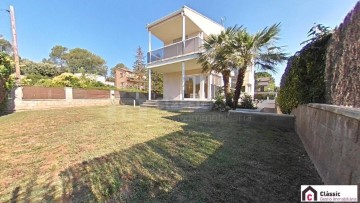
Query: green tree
(81, 58)
(57, 56)
(139, 66)
(28, 67)
(5, 46)
(157, 80)
(117, 66)
(216, 57)
(6, 81)
(259, 49)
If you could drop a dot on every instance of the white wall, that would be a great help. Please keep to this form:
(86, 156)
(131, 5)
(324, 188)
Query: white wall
(172, 86)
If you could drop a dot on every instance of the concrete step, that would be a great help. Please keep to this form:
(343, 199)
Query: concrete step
(179, 105)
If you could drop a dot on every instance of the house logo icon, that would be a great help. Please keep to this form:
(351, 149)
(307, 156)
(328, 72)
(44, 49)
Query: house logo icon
(309, 197)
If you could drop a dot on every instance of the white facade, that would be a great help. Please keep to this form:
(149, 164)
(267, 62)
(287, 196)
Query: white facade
(182, 33)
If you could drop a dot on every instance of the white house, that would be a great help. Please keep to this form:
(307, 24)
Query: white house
(182, 34)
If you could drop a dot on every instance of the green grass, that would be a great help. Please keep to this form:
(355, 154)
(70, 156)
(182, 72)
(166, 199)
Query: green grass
(121, 154)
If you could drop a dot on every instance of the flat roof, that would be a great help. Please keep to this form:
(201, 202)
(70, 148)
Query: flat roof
(176, 13)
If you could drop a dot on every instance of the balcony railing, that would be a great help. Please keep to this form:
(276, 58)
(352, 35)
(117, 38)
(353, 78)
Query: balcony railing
(192, 45)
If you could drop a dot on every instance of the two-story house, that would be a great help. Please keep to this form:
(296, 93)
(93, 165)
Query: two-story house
(182, 34)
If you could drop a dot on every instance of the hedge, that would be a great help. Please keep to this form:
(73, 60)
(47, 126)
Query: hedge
(303, 80)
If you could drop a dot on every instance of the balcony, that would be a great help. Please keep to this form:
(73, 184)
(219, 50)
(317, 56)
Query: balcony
(192, 45)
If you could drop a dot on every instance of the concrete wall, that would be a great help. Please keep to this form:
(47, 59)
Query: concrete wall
(330, 135)
(127, 98)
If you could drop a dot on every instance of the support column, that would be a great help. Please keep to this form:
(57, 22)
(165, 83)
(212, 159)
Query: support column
(149, 93)
(149, 60)
(183, 30)
(209, 87)
(202, 86)
(182, 80)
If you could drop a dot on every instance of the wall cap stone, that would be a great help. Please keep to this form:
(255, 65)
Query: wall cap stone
(341, 110)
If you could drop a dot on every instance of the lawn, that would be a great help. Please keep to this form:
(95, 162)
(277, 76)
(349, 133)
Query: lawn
(121, 154)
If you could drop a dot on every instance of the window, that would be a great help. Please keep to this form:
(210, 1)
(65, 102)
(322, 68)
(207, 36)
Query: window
(243, 89)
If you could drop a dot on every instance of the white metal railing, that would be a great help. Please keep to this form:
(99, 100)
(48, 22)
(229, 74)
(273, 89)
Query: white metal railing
(192, 45)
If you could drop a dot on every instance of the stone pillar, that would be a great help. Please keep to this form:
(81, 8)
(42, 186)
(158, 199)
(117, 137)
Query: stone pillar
(112, 96)
(68, 94)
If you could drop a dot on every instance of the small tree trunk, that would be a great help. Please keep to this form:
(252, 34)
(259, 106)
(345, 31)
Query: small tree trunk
(226, 76)
(239, 83)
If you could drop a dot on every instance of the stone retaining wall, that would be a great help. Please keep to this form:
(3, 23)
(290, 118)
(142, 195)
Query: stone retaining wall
(330, 135)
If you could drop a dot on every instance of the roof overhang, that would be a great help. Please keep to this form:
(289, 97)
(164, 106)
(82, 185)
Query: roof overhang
(169, 27)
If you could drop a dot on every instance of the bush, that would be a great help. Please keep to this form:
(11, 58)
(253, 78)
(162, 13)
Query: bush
(303, 80)
(33, 79)
(247, 102)
(7, 81)
(219, 103)
(64, 80)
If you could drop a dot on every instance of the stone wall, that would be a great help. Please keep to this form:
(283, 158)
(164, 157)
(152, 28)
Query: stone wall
(330, 135)
(342, 73)
(127, 98)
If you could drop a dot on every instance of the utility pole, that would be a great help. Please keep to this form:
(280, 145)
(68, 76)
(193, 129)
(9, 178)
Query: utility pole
(14, 44)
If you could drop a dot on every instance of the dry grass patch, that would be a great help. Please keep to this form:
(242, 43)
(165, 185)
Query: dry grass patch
(115, 153)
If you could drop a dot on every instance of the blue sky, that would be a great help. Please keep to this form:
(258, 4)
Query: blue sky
(114, 29)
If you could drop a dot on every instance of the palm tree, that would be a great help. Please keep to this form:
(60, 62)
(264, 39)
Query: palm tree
(215, 57)
(258, 49)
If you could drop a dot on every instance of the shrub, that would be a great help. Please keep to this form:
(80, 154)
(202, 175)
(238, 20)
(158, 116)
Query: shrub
(66, 80)
(7, 81)
(247, 102)
(219, 103)
(33, 79)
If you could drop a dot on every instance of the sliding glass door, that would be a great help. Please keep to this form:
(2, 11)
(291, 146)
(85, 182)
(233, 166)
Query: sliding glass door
(192, 87)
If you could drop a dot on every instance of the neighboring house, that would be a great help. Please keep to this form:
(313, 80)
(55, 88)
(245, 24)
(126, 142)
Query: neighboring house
(125, 78)
(264, 88)
(182, 34)
(95, 77)
(262, 85)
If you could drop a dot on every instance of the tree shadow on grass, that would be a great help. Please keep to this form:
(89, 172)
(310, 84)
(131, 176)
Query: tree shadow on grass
(210, 160)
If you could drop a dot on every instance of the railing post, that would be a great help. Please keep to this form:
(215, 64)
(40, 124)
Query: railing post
(200, 43)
